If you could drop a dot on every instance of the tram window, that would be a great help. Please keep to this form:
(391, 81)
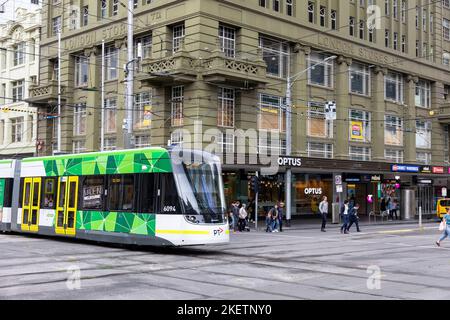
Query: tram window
(93, 191)
(35, 194)
(49, 193)
(27, 194)
(7, 199)
(21, 192)
(121, 192)
(169, 195)
(148, 193)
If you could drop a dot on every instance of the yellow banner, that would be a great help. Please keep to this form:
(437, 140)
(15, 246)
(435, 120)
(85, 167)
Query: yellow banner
(357, 130)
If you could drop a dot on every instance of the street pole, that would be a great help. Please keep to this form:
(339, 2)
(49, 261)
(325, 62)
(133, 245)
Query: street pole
(128, 130)
(102, 128)
(288, 180)
(256, 202)
(59, 93)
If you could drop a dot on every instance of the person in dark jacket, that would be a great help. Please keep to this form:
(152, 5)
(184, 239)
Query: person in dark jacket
(354, 218)
(280, 215)
(345, 211)
(235, 215)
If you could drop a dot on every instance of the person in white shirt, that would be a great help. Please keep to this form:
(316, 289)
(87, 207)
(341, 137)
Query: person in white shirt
(242, 216)
(345, 217)
(323, 209)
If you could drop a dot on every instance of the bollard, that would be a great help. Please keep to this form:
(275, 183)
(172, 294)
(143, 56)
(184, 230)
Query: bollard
(420, 217)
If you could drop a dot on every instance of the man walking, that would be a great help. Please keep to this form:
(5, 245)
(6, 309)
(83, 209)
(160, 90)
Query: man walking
(235, 216)
(280, 216)
(354, 218)
(323, 209)
(344, 215)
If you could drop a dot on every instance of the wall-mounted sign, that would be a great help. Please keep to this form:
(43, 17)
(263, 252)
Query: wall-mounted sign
(352, 178)
(438, 170)
(338, 179)
(339, 188)
(444, 192)
(289, 161)
(404, 168)
(376, 178)
(313, 191)
(425, 169)
(424, 181)
(357, 130)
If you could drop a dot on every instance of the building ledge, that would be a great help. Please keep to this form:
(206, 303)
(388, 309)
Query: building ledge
(45, 94)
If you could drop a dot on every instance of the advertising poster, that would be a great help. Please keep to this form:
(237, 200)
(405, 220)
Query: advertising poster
(357, 130)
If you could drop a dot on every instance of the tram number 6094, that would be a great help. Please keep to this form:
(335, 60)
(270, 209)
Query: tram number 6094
(169, 209)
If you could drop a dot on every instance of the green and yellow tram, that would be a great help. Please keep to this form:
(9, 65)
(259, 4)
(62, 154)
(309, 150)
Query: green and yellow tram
(150, 196)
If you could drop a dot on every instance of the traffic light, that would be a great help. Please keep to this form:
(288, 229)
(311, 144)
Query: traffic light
(254, 184)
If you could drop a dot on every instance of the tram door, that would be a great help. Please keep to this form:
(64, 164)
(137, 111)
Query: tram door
(31, 204)
(66, 205)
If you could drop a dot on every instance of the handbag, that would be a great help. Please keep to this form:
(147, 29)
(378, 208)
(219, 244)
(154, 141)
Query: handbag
(442, 225)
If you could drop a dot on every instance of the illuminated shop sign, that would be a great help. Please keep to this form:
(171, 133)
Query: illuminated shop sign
(425, 169)
(291, 162)
(438, 170)
(404, 168)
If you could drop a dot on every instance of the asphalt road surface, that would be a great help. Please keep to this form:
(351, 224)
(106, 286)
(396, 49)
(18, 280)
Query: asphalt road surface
(382, 262)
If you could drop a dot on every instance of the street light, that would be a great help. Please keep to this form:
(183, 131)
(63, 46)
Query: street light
(290, 82)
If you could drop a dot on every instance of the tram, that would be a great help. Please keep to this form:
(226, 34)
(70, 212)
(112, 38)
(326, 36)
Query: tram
(149, 196)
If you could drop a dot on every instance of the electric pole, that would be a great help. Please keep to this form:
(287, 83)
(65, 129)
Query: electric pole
(128, 130)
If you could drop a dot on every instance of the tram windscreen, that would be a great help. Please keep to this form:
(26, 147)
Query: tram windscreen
(201, 190)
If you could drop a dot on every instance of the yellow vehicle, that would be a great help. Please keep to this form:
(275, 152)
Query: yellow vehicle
(442, 207)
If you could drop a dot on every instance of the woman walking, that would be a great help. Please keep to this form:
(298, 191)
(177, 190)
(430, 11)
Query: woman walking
(446, 233)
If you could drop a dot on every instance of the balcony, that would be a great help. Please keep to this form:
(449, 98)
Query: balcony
(45, 94)
(182, 68)
(444, 113)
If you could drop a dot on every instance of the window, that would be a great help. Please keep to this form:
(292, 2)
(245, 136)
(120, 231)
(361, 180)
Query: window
(395, 9)
(17, 129)
(19, 54)
(93, 193)
(446, 145)
(79, 119)
(320, 72)
(333, 19)
(49, 195)
(289, 7)
(423, 134)
(177, 37)
(311, 11)
(149, 193)
(17, 90)
(423, 158)
(272, 113)
(268, 144)
(392, 155)
(395, 41)
(446, 29)
(110, 115)
(226, 142)
(146, 44)
(81, 71)
(176, 138)
(323, 16)
(403, 43)
(359, 79)
(275, 54)
(387, 7)
(351, 25)
(177, 105)
(142, 141)
(111, 62)
(317, 125)
(55, 69)
(276, 5)
(393, 83)
(79, 146)
(120, 192)
(423, 94)
(404, 9)
(85, 16)
(227, 40)
(110, 144)
(169, 194)
(362, 29)
(262, 3)
(359, 153)
(360, 129)
(393, 130)
(320, 150)
(387, 41)
(56, 25)
(103, 9)
(226, 102)
(142, 110)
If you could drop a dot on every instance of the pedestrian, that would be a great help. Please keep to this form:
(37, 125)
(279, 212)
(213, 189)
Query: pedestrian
(242, 216)
(235, 216)
(269, 221)
(394, 209)
(383, 206)
(281, 215)
(446, 225)
(344, 215)
(353, 218)
(274, 216)
(323, 209)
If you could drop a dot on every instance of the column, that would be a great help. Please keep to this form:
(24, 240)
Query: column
(409, 122)
(93, 100)
(378, 110)
(342, 105)
(300, 100)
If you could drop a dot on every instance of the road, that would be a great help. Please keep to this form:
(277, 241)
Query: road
(382, 262)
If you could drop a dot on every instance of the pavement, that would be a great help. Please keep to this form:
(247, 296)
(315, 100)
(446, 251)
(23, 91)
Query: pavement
(386, 262)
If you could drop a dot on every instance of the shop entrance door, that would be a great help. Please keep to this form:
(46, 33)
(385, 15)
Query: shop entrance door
(425, 199)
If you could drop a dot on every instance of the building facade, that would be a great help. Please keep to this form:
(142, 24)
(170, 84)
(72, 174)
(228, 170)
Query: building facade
(19, 70)
(8, 9)
(384, 64)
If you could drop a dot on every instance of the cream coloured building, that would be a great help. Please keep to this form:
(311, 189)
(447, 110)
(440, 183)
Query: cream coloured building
(19, 68)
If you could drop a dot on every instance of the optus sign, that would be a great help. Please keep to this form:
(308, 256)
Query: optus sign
(291, 162)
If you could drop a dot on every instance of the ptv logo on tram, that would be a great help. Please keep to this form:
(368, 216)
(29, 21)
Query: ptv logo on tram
(218, 232)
